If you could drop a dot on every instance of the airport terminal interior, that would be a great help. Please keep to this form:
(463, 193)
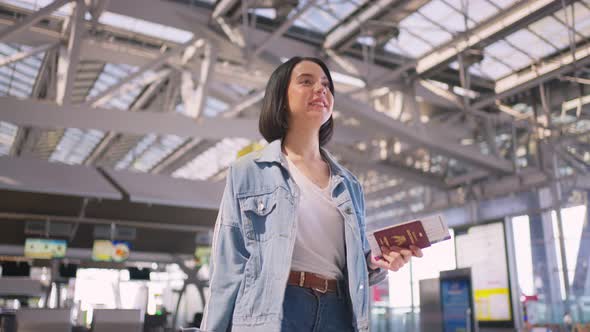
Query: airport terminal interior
(119, 120)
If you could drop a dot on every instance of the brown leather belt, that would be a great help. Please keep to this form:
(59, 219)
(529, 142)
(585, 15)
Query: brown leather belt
(310, 280)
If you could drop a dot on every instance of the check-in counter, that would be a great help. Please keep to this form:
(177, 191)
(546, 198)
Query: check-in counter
(117, 320)
(46, 320)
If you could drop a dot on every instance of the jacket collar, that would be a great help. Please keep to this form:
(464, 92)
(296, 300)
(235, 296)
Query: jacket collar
(272, 153)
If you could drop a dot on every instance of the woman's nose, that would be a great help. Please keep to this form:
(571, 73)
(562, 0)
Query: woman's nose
(320, 89)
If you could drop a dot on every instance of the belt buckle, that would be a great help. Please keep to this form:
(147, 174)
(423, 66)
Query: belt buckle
(323, 291)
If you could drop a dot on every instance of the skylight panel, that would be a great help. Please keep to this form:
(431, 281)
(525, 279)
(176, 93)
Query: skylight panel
(477, 10)
(508, 54)
(145, 27)
(213, 160)
(75, 145)
(441, 13)
(319, 20)
(494, 69)
(18, 93)
(24, 78)
(136, 151)
(552, 30)
(213, 107)
(535, 46)
(418, 25)
(157, 151)
(34, 5)
(8, 133)
(581, 18)
(269, 13)
(18, 78)
(414, 46)
(326, 15)
(394, 47)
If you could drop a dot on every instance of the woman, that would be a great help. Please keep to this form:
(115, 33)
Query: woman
(289, 248)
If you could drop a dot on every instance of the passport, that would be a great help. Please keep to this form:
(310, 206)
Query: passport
(419, 232)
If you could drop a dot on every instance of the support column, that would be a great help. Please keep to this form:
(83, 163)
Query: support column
(580, 286)
(544, 257)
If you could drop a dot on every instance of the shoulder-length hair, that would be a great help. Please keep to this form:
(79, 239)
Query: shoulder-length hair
(273, 121)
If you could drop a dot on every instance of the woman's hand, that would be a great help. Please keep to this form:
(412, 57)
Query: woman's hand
(394, 258)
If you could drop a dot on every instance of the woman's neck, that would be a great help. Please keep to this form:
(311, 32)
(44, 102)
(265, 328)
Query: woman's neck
(302, 145)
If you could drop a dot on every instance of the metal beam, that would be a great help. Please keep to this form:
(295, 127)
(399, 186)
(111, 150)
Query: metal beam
(176, 155)
(194, 99)
(505, 22)
(283, 28)
(365, 163)
(420, 136)
(222, 7)
(32, 19)
(103, 221)
(137, 105)
(394, 11)
(69, 56)
(190, 19)
(491, 209)
(153, 65)
(50, 115)
(510, 196)
(243, 104)
(34, 113)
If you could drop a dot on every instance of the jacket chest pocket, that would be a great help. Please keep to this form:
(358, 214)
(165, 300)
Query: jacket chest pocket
(257, 214)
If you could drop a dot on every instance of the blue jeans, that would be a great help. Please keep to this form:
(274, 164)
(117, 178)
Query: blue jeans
(306, 310)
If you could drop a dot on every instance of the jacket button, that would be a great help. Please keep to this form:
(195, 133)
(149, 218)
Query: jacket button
(260, 206)
(348, 210)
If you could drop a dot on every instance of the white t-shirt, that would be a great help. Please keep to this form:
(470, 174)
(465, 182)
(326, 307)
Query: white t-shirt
(319, 243)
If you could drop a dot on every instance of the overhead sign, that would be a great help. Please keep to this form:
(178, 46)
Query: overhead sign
(45, 248)
(110, 251)
(456, 304)
(483, 249)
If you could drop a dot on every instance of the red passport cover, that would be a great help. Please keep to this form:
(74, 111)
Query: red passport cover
(403, 236)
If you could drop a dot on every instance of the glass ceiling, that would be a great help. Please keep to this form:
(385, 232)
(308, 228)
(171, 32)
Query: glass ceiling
(439, 21)
(7, 135)
(212, 161)
(76, 144)
(434, 24)
(326, 14)
(149, 152)
(542, 38)
(16, 79)
(65, 10)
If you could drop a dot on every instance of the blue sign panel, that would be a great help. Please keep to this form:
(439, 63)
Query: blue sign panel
(455, 304)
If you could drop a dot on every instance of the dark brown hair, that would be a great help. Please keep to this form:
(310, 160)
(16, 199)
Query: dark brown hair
(273, 122)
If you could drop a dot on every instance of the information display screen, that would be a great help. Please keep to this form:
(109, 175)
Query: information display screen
(202, 255)
(110, 251)
(483, 249)
(45, 248)
(456, 303)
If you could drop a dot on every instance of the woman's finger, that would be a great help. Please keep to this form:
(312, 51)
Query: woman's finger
(416, 251)
(396, 264)
(405, 255)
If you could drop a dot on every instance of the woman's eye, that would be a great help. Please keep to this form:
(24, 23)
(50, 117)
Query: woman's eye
(306, 82)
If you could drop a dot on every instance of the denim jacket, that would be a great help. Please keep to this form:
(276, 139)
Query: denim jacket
(254, 238)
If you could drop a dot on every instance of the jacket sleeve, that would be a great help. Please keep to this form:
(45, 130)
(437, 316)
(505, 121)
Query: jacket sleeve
(228, 259)
(378, 275)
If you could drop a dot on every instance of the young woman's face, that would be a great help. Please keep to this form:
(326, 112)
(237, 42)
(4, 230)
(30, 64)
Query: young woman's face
(310, 101)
